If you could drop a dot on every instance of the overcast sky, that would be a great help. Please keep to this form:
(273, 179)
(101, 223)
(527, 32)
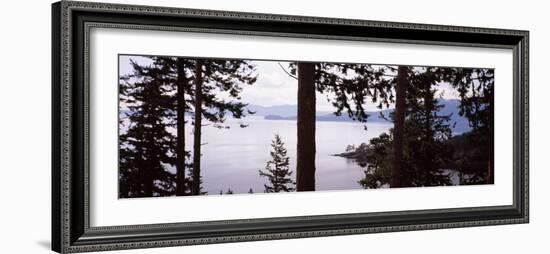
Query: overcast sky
(274, 86)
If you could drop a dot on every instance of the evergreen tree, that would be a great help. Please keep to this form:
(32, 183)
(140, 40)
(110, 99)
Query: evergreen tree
(399, 125)
(277, 170)
(348, 87)
(423, 148)
(378, 162)
(469, 158)
(174, 72)
(476, 90)
(213, 77)
(182, 85)
(426, 131)
(210, 89)
(146, 149)
(197, 128)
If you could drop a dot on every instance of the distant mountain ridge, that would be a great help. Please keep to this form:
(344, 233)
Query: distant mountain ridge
(458, 123)
(330, 117)
(278, 110)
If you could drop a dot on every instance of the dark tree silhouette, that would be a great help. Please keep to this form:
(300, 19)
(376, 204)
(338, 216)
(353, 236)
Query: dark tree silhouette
(213, 77)
(348, 87)
(157, 98)
(399, 125)
(469, 158)
(416, 116)
(427, 144)
(146, 148)
(305, 159)
(178, 79)
(216, 78)
(277, 170)
(427, 132)
(175, 72)
(182, 183)
(476, 90)
(195, 184)
(378, 162)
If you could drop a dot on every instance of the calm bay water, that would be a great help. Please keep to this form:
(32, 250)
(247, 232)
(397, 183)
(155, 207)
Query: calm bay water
(232, 157)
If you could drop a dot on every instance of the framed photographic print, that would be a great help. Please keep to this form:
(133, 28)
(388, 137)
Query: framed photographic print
(180, 126)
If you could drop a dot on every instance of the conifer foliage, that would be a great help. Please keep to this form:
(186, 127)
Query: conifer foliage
(162, 101)
(427, 142)
(476, 90)
(277, 170)
(159, 97)
(348, 87)
(147, 148)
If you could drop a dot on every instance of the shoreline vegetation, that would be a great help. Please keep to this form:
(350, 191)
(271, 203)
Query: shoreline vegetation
(463, 164)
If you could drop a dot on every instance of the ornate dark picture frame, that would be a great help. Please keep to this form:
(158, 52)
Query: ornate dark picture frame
(71, 231)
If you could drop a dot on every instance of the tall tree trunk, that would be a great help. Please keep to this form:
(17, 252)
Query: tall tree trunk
(305, 165)
(490, 175)
(148, 180)
(398, 128)
(428, 107)
(490, 167)
(180, 149)
(195, 188)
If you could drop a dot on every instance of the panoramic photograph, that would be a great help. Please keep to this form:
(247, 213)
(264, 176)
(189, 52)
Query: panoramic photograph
(213, 126)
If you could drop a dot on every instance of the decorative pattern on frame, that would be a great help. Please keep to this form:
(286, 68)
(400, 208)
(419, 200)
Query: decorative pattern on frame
(66, 235)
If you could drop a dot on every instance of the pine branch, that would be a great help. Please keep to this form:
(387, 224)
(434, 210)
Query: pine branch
(287, 73)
